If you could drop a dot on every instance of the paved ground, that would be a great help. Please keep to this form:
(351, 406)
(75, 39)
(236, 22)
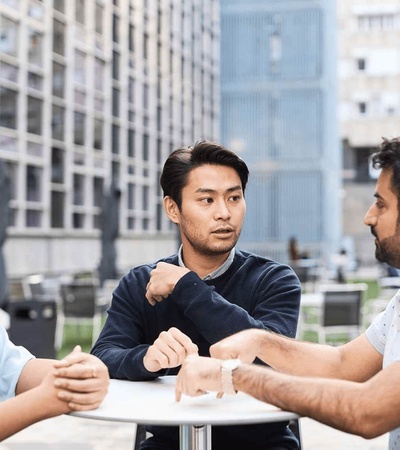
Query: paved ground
(71, 433)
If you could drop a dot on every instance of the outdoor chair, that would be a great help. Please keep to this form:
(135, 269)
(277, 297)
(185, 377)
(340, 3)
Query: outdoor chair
(80, 305)
(388, 286)
(339, 314)
(43, 287)
(17, 289)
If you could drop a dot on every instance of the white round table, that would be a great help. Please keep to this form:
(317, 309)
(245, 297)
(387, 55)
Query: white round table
(153, 403)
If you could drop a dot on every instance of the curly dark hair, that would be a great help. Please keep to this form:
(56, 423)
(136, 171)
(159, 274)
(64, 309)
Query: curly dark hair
(183, 160)
(388, 157)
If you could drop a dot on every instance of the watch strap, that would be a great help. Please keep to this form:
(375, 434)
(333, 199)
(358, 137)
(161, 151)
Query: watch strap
(227, 368)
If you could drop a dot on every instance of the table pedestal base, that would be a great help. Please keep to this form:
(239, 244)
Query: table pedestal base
(195, 437)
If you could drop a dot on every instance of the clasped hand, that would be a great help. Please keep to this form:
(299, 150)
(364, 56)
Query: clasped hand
(81, 379)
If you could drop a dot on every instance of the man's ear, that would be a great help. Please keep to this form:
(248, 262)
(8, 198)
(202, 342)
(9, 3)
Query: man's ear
(171, 208)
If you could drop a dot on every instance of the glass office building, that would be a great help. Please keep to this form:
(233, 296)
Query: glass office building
(94, 93)
(278, 111)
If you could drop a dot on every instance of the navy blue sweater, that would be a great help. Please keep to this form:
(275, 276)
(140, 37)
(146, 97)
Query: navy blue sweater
(254, 292)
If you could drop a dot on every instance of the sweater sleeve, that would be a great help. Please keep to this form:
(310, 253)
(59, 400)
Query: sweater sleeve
(266, 298)
(126, 336)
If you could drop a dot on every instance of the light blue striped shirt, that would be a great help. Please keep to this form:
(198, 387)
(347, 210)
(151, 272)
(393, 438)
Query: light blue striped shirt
(12, 360)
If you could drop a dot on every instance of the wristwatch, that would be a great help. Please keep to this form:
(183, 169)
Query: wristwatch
(227, 368)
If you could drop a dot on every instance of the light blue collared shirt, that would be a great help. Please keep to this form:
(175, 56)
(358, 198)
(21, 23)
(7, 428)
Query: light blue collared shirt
(215, 273)
(12, 361)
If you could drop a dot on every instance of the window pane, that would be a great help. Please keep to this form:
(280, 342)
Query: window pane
(79, 97)
(115, 65)
(145, 153)
(58, 79)
(34, 115)
(79, 128)
(33, 218)
(8, 72)
(131, 38)
(59, 5)
(131, 143)
(99, 13)
(145, 198)
(57, 165)
(57, 122)
(35, 11)
(131, 90)
(58, 37)
(131, 196)
(8, 110)
(8, 143)
(115, 102)
(35, 81)
(115, 138)
(33, 183)
(97, 191)
(35, 47)
(98, 134)
(80, 11)
(79, 189)
(78, 220)
(34, 148)
(80, 70)
(57, 209)
(115, 28)
(12, 173)
(8, 36)
(99, 74)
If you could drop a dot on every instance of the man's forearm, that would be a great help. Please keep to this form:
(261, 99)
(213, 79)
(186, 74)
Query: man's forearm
(345, 405)
(33, 373)
(299, 357)
(19, 412)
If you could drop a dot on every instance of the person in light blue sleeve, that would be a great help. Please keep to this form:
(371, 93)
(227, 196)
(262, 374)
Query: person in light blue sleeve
(33, 389)
(354, 387)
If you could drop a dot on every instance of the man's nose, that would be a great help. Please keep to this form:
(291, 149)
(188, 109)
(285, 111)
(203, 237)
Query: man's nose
(222, 211)
(370, 217)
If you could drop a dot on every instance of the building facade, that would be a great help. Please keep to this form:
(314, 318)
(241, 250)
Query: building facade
(278, 111)
(93, 95)
(369, 103)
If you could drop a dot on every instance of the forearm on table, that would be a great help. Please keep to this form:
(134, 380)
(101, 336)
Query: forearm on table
(23, 410)
(33, 373)
(357, 408)
(298, 357)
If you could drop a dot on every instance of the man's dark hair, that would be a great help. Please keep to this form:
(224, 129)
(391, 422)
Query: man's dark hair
(388, 157)
(183, 160)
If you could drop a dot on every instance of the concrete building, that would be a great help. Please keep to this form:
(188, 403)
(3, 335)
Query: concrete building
(92, 95)
(369, 103)
(278, 111)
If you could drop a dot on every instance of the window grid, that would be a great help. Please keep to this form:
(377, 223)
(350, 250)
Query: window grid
(105, 95)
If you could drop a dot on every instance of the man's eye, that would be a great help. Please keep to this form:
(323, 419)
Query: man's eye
(207, 200)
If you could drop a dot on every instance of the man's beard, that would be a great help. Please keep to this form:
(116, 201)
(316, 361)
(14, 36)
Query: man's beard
(388, 250)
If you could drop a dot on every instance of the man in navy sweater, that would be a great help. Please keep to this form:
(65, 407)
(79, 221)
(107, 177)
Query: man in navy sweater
(182, 304)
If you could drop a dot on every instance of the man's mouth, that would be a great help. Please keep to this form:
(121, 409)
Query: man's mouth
(223, 231)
